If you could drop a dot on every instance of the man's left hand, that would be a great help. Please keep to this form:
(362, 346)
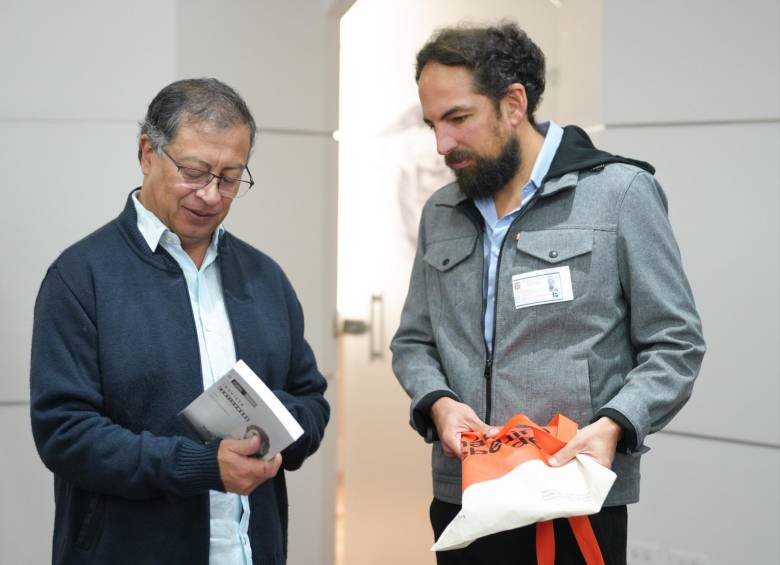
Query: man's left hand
(598, 440)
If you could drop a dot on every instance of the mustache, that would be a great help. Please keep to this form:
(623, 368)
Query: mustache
(457, 155)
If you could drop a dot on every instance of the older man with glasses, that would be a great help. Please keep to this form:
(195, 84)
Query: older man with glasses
(137, 319)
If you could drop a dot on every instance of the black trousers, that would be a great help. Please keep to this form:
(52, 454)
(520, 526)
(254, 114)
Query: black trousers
(518, 547)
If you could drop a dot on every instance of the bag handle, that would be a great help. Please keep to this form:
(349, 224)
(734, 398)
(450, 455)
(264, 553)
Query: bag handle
(586, 539)
(545, 543)
(549, 444)
(583, 533)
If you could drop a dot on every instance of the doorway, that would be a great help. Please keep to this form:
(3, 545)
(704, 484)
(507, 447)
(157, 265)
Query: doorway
(388, 167)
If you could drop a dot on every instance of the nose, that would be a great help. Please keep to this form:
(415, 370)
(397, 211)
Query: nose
(444, 142)
(208, 195)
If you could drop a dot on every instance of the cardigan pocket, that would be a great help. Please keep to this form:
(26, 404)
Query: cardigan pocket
(91, 521)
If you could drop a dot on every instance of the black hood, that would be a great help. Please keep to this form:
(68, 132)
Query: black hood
(577, 153)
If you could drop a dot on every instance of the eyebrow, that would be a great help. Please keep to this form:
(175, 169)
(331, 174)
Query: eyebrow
(448, 113)
(208, 165)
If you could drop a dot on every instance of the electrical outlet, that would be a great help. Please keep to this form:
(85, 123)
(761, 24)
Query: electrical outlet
(640, 553)
(678, 557)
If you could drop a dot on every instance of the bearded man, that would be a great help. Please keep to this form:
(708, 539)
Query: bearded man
(609, 336)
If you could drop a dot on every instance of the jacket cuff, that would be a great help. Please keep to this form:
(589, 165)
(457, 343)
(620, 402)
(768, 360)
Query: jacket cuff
(421, 414)
(628, 440)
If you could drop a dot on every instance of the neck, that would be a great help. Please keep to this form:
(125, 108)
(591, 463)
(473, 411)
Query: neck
(197, 254)
(509, 197)
(196, 251)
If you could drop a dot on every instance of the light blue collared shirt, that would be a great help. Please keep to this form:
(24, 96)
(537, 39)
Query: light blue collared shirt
(496, 228)
(229, 543)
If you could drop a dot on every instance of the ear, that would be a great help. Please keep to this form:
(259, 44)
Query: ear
(514, 104)
(145, 146)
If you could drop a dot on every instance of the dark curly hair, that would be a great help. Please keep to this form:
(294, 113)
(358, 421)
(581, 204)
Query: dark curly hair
(497, 57)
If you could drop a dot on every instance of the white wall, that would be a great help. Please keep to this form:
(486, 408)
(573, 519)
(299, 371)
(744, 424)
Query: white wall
(77, 77)
(694, 88)
(388, 167)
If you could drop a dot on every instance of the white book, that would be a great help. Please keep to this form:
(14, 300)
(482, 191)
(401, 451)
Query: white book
(240, 405)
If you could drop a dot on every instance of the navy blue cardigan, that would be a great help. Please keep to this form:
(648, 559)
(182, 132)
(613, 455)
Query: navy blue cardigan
(115, 358)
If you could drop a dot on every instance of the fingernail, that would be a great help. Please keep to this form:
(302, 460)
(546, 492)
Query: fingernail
(552, 461)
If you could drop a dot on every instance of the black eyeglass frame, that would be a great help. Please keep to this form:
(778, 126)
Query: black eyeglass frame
(220, 178)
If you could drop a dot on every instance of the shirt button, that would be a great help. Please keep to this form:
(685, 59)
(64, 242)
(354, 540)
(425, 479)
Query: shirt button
(553, 254)
(445, 262)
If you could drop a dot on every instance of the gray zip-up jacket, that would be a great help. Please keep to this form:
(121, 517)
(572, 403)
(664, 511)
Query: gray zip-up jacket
(629, 345)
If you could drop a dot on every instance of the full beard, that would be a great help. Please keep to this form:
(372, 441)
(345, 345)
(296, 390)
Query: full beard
(486, 176)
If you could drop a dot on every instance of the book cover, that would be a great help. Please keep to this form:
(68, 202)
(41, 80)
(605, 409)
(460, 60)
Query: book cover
(240, 405)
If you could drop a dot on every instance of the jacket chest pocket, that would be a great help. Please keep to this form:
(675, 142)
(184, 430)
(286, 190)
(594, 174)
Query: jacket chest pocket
(452, 280)
(546, 249)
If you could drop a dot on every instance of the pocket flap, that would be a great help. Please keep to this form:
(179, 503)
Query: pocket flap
(554, 246)
(444, 255)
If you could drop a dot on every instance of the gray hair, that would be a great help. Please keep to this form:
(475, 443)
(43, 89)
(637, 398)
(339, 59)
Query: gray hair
(193, 101)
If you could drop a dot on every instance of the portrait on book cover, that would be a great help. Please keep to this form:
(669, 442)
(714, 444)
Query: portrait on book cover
(265, 443)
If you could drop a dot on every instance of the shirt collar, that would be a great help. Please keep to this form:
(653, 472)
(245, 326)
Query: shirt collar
(553, 133)
(152, 229)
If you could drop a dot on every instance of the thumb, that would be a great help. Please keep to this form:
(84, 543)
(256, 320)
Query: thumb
(246, 447)
(486, 429)
(563, 455)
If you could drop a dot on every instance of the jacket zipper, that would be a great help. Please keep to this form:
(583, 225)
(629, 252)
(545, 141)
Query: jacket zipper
(489, 352)
(488, 387)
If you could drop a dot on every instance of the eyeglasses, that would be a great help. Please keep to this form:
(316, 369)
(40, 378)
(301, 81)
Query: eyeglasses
(195, 179)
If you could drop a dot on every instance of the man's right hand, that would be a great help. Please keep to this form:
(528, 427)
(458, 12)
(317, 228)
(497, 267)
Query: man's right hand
(240, 472)
(452, 418)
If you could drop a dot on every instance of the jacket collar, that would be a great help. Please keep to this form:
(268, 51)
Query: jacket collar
(450, 195)
(575, 153)
(550, 187)
(233, 275)
(127, 222)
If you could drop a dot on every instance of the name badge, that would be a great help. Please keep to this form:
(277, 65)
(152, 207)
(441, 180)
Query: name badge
(542, 287)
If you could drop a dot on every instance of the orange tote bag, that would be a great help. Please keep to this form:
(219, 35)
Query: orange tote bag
(508, 484)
